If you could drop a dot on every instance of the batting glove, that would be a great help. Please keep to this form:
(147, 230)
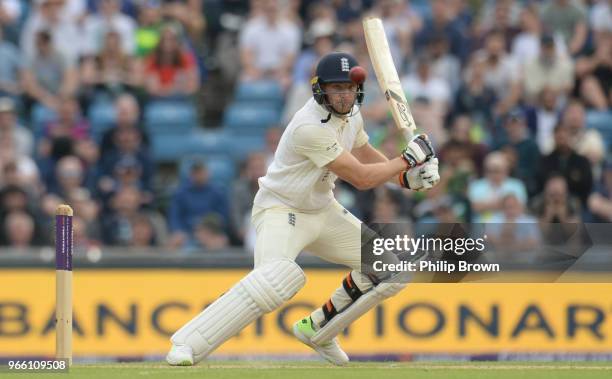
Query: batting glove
(419, 150)
(421, 178)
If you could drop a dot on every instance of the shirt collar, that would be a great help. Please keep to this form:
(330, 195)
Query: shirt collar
(334, 121)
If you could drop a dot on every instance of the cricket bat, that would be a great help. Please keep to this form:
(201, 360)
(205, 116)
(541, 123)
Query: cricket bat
(389, 82)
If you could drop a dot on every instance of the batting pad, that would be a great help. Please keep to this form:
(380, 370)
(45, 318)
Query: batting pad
(365, 302)
(262, 290)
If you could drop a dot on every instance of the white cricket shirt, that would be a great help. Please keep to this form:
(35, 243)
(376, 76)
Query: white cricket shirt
(297, 177)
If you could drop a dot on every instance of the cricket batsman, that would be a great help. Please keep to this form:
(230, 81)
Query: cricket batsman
(295, 210)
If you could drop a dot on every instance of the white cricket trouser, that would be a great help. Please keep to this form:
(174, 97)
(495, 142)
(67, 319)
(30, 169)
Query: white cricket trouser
(333, 234)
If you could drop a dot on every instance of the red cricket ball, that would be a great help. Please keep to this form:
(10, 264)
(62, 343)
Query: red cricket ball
(358, 74)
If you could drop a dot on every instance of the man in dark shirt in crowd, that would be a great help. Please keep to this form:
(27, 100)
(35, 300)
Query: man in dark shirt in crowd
(564, 161)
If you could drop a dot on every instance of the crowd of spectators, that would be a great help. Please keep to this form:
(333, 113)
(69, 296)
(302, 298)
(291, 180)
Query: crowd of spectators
(505, 89)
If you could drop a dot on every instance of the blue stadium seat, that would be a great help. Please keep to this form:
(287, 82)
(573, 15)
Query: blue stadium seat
(170, 147)
(221, 168)
(250, 118)
(602, 122)
(210, 143)
(259, 91)
(102, 116)
(170, 117)
(242, 145)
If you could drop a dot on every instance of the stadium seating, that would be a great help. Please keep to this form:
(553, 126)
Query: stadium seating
(261, 91)
(170, 147)
(169, 117)
(210, 143)
(102, 117)
(221, 168)
(250, 118)
(236, 146)
(171, 124)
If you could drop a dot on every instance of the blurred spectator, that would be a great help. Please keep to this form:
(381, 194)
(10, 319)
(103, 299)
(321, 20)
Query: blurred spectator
(243, 192)
(51, 17)
(14, 198)
(118, 227)
(193, 200)
(475, 96)
(129, 164)
(72, 129)
(568, 19)
(20, 137)
(171, 69)
(546, 119)
(600, 201)
(502, 15)
(501, 72)
(459, 150)
(512, 230)
(549, 70)
(429, 99)
(443, 21)
(269, 44)
(11, 66)
(69, 176)
(190, 14)
(127, 114)
(594, 74)
(320, 42)
(387, 208)
(591, 146)
(87, 208)
(128, 7)
(423, 85)
(19, 230)
(18, 169)
(109, 18)
(75, 10)
(564, 161)
(574, 117)
(10, 17)
(84, 240)
(601, 16)
(443, 212)
(400, 25)
(148, 28)
(319, 38)
(555, 204)
(143, 232)
(48, 74)
(521, 150)
(444, 65)
(526, 45)
(486, 194)
(210, 234)
(111, 71)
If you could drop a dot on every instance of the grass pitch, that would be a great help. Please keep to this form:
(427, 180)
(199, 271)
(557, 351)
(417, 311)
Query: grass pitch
(356, 370)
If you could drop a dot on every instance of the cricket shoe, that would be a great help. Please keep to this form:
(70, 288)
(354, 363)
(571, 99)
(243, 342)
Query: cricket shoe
(331, 350)
(180, 355)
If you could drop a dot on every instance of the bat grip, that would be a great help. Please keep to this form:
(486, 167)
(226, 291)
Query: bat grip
(408, 134)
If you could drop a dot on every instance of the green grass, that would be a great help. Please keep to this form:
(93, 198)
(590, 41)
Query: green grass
(356, 370)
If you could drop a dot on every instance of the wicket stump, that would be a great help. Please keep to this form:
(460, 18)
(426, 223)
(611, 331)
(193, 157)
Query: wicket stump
(63, 282)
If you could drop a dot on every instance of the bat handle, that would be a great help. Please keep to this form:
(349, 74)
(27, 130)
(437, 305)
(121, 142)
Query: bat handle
(408, 134)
